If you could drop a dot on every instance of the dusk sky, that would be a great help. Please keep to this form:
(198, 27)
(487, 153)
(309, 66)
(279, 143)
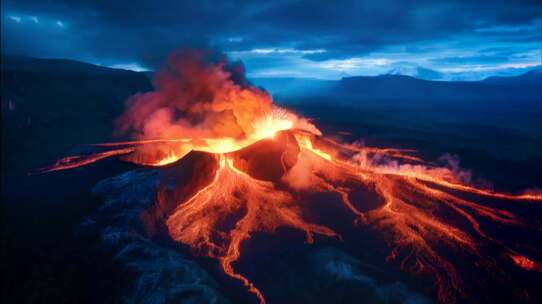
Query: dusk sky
(447, 40)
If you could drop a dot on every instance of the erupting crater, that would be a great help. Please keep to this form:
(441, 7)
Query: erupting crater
(267, 162)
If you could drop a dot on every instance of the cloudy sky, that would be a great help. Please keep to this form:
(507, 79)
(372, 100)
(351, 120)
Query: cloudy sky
(450, 39)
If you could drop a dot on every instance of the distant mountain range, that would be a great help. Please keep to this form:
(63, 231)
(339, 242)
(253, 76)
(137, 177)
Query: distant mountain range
(417, 72)
(389, 87)
(530, 79)
(21, 63)
(395, 86)
(421, 72)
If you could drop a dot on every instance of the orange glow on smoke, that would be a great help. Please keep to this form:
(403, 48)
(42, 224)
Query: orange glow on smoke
(196, 106)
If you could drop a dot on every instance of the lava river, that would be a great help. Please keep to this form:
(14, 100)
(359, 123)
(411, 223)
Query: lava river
(268, 160)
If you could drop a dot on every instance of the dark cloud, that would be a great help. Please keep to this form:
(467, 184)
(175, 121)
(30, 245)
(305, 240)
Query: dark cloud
(145, 31)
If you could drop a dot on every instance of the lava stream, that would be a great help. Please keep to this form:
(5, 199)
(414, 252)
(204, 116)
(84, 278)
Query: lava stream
(71, 162)
(218, 218)
(257, 203)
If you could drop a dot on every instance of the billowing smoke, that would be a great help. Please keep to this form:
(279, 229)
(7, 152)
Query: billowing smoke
(195, 96)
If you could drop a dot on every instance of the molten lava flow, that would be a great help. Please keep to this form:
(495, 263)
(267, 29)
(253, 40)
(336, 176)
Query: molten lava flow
(526, 263)
(71, 162)
(420, 209)
(257, 206)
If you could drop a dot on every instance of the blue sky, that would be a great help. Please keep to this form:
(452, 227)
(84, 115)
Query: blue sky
(443, 40)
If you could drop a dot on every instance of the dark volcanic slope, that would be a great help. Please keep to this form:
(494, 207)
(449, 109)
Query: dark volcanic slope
(49, 105)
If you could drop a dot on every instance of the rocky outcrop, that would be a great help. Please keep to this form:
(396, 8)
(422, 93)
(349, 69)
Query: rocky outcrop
(160, 274)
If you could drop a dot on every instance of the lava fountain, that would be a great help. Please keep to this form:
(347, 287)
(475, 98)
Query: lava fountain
(207, 106)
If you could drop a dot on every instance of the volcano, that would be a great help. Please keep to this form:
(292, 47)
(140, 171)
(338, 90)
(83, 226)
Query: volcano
(259, 168)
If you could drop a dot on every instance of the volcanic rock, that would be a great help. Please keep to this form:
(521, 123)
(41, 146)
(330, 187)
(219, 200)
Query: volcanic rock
(160, 274)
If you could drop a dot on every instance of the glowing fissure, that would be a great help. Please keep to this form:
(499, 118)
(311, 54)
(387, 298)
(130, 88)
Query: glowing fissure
(234, 206)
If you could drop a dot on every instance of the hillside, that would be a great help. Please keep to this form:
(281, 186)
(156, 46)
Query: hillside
(50, 105)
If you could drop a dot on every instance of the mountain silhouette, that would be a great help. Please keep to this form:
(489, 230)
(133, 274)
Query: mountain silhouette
(48, 105)
(399, 87)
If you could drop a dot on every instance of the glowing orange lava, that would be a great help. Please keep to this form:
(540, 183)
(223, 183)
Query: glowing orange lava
(526, 263)
(418, 199)
(261, 208)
